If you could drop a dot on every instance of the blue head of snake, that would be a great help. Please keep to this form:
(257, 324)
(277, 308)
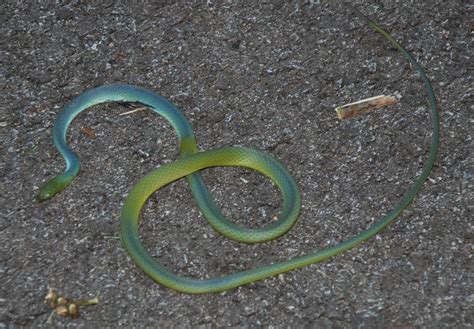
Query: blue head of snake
(54, 186)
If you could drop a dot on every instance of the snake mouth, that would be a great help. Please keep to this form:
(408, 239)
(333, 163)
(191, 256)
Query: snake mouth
(53, 187)
(42, 196)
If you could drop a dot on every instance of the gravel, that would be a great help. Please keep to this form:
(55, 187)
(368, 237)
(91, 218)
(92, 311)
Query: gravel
(266, 75)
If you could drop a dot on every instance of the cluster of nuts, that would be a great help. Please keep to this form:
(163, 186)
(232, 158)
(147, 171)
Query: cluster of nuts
(66, 307)
(61, 305)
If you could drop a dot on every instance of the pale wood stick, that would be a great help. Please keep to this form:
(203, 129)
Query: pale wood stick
(351, 110)
(133, 111)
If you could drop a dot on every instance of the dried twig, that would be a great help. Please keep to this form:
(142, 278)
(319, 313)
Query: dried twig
(133, 111)
(351, 110)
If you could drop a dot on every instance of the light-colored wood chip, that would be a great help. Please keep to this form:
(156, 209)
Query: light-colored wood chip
(351, 110)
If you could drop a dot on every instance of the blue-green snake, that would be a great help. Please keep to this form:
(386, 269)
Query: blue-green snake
(188, 166)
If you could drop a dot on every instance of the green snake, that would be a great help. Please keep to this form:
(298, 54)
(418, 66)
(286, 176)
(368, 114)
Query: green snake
(188, 166)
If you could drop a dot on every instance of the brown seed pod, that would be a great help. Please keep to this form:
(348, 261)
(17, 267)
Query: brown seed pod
(62, 300)
(73, 310)
(51, 297)
(62, 310)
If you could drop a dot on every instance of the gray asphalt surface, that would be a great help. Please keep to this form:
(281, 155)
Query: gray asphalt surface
(264, 75)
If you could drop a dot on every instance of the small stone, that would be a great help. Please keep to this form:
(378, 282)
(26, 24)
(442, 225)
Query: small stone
(3, 268)
(40, 77)
(222, 82)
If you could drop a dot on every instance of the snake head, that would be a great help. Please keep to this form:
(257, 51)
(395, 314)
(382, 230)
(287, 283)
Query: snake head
(52, 187)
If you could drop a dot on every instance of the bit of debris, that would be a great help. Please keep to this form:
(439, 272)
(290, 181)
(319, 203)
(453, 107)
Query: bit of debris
(64, 306)
(351, 110)
(89, 132)
(133, 111)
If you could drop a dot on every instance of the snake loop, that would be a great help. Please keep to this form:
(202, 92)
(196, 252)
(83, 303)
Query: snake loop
(189, 165)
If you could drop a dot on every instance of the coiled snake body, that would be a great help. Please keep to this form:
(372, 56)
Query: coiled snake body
(189, 165)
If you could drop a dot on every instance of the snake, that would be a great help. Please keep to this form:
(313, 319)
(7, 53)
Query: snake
(191, 161)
